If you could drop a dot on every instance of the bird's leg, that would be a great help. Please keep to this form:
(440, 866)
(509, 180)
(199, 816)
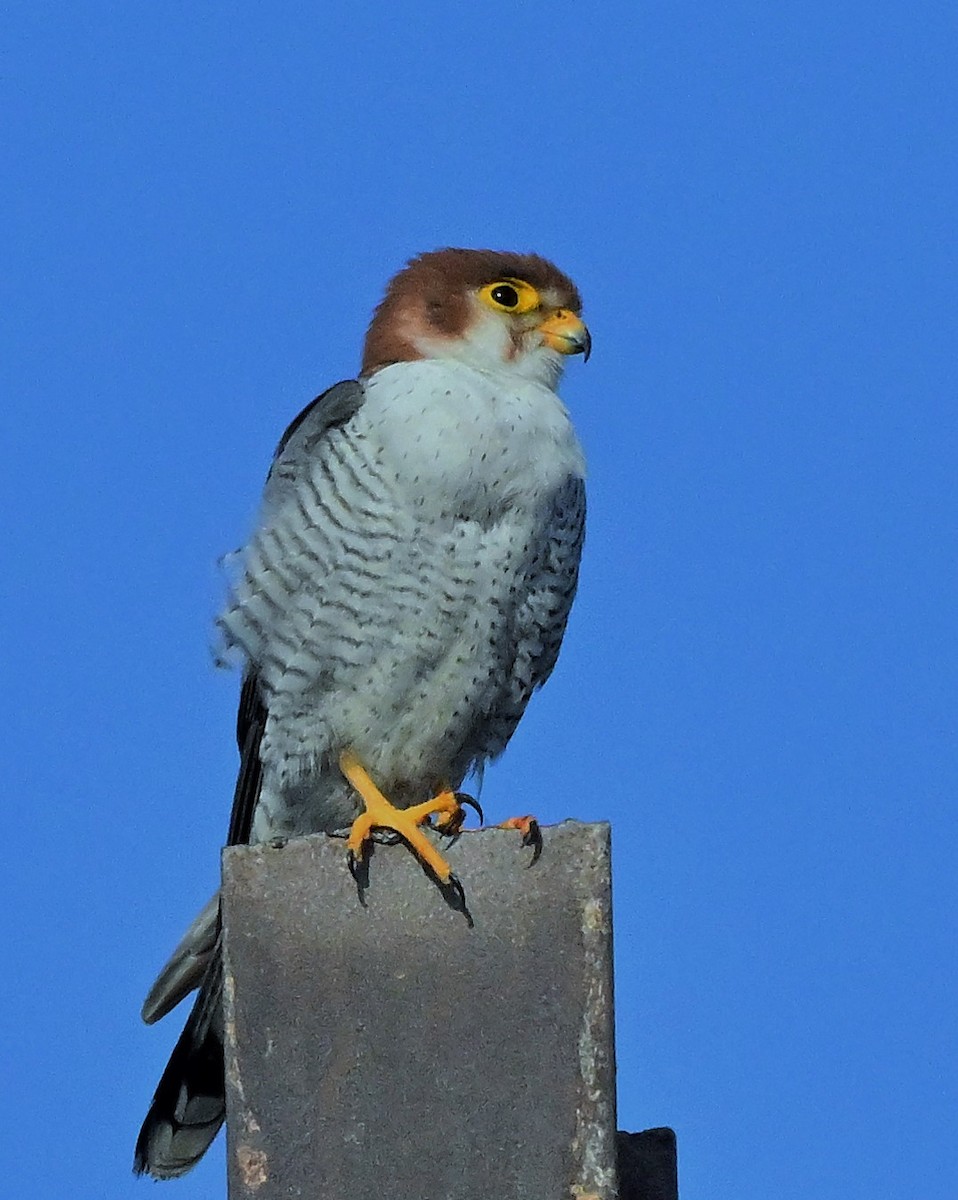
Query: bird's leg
(381, 814)
(528, 826)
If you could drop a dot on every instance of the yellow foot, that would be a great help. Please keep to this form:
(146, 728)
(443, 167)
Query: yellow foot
(528, 826)
(380, 814)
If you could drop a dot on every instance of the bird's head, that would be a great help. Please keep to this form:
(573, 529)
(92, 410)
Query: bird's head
(515, 314)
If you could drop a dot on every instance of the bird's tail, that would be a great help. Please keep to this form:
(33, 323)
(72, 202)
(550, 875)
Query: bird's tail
(189, 1105)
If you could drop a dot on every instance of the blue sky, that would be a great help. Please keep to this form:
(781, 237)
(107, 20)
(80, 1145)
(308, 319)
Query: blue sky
(201, 206)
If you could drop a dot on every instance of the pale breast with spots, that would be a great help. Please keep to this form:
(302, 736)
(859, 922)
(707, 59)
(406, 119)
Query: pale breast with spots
(468, 439)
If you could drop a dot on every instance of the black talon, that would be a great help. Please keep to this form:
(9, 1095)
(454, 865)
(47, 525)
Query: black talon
(455, 895)
(455, 886)
(466, 801)
(359, 869)
(533, 837)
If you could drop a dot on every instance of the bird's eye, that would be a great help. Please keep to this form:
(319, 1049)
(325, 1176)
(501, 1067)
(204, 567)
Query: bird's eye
(510, 295)
(505, 295)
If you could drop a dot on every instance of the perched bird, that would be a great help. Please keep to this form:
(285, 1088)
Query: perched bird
(404, 593)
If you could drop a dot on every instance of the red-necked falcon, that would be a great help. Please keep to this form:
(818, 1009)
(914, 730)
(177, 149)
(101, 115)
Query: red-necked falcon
(405, 591)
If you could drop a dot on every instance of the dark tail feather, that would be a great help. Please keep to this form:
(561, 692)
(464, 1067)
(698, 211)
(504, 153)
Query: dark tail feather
(189, 1105)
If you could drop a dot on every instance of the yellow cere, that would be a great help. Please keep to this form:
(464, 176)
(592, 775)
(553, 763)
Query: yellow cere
(510, 295)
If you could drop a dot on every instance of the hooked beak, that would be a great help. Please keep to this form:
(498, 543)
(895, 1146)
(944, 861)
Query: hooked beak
(562, 330)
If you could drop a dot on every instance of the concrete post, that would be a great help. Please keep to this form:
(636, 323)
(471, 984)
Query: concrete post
(398, 1049)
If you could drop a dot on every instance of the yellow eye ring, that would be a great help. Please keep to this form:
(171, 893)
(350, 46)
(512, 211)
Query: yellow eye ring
(510, 295)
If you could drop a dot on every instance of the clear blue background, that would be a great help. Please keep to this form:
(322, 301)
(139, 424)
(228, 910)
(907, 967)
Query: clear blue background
(201, 204)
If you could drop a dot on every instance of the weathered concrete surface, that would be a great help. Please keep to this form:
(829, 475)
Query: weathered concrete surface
(648, 1165)
(393, 1051)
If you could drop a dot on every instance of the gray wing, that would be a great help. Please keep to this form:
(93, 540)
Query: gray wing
(290, 461)
(543, 611)
(282, 562)
(302, 435)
